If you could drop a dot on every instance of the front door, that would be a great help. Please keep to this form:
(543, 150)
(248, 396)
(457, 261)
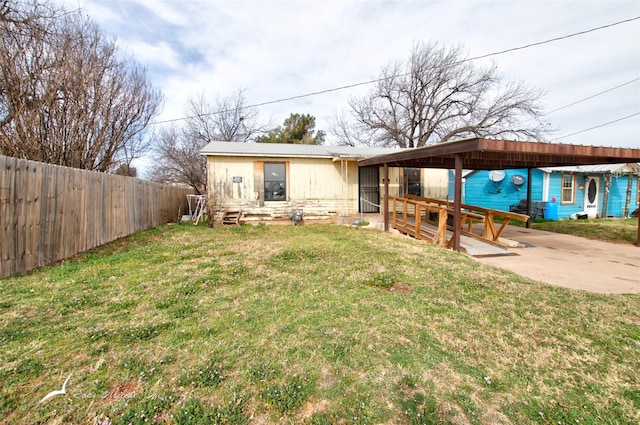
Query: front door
(369, 189)
(591, 195)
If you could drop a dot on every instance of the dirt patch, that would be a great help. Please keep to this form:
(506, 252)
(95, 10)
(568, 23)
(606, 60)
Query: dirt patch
(319, 407)
(121, 391)
(400, 287)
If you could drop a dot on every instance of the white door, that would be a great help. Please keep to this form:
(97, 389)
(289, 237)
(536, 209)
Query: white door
(591, 195)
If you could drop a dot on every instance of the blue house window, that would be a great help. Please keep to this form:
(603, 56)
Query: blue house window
(568, 188)
(275, 181)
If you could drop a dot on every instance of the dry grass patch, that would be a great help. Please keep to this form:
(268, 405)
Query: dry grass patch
(308, 324)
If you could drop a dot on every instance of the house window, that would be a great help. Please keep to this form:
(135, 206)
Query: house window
(412, 181)
(568, 188)
(275, 181)
(638, 194)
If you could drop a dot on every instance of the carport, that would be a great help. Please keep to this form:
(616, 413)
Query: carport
(488, 154)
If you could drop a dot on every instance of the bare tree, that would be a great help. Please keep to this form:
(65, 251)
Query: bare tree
(438, 95)
(178, 158)
(179, 161)
(228, 120)
(347, 132)
(67, 96)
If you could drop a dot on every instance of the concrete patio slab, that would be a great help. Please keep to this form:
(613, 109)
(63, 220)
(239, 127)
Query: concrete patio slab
(570, 261)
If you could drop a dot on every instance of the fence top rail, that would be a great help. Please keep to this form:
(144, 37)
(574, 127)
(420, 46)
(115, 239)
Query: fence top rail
(481, 210)
(425, 205)
(435, 207)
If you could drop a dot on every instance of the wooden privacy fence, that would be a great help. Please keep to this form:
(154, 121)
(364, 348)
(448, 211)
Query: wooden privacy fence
(49, 213)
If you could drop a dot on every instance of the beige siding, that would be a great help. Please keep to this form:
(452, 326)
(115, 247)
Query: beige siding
(222, 170)
(435, 183)
(321, 187)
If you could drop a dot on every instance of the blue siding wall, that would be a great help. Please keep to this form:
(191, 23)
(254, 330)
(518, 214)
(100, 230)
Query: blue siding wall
(617, 195)
(555, 191)
(481, 191)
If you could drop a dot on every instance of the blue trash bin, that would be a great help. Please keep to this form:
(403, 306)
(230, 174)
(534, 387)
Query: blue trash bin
(552, 211)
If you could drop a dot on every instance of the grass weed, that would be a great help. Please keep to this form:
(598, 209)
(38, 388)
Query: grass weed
(616, 230)
(315, 324)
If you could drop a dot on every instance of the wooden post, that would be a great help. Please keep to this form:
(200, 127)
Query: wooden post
(404, 214)
(457, 202)
(489, 229)
(440, 238)
(418, 217)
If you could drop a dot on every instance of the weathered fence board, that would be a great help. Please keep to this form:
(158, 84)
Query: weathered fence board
(49, 213)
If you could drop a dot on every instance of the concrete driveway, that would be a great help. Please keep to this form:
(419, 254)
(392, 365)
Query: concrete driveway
(570, 261)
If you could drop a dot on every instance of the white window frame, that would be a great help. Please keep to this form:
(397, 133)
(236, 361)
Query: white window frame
(564, 189)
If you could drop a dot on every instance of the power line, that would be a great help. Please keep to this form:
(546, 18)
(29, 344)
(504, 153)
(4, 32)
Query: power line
(592, 96)
(564, 37)
(350, 86)
(597, 126)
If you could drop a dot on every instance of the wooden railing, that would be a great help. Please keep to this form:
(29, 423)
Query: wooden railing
(410, 212)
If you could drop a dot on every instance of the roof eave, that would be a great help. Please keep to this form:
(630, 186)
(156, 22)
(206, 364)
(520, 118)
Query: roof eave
(504, 154)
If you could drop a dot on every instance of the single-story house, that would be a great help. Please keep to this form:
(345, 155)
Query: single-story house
(270, 181)
(611, 190)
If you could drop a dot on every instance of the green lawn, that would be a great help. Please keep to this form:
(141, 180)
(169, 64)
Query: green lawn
(623, 231)
(315, 324)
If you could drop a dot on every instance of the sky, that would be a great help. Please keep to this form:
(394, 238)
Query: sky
(277, 49)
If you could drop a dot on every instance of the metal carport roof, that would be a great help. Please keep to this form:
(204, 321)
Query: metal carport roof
(489, 154)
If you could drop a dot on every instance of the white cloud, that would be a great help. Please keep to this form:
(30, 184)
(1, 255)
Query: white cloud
(279, 49)
(154, 55)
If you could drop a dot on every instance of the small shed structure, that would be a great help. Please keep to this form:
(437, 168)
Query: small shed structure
(488, 154)
(269, 181)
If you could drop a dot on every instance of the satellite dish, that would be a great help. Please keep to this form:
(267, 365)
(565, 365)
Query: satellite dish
(496, 176)
(517, 179)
